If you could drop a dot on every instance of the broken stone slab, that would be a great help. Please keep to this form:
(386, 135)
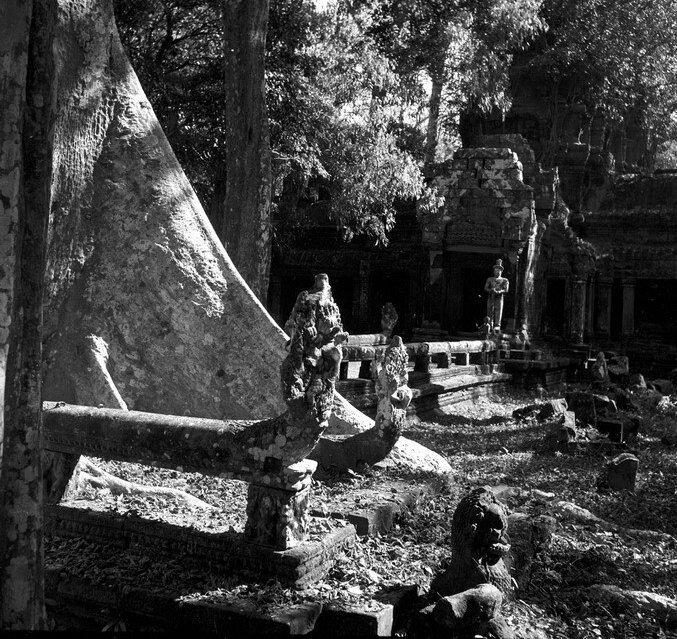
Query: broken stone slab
(383, 504)
(339, 619)
(664, 386)
(637, 381)
(468, 609)
(410, 455)
(553, 407)
(402, 599)
(568, 511)
(618, 429)
(528, 536)
(526, 411)
(588, 406)
(622, 398)
(660, 607)
(619, 474)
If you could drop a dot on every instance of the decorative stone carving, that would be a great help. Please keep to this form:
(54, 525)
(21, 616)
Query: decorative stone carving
(496, 286)
(389, 318)
(525, 339)
(310, 369)
(484, 329)
(278, 515)
(394, 395)
(600, 370)
(479, 543)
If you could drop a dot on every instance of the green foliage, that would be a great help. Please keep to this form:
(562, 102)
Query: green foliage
(365, 167)
(465, 45)
(618, 58)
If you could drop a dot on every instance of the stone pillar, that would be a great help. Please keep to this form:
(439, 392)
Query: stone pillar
(628, 307)
(436, 287)
(278, 507)
(603, 306)
(363, 300)
(576, 319)
(589, 309)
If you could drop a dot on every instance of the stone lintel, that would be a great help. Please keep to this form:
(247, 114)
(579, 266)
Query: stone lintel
(484, 152)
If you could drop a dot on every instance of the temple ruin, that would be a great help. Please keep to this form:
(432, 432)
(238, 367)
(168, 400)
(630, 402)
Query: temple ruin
(589, 251)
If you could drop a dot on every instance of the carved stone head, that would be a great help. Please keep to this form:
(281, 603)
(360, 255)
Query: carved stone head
(479, 527)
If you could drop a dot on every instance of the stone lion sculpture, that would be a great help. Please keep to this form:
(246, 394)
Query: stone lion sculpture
(479, 543)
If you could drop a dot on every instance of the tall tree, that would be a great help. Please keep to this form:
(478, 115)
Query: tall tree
(245, 225)
(26, 117)
(464, 47)
(145, 308)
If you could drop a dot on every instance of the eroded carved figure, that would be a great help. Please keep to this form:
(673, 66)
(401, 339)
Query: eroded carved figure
(310, 369)
(394, 395)
(600, 369)
(496, 287)
(484, 329)
(389, 318)
(479, 543)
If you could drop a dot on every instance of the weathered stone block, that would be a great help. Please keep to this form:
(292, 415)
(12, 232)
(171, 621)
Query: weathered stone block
(345, 620)
(276, 517)
(618, 429)
(484, 152)
(589, 406)
(637, 380)
(663, 386)
(553, 407)
(620, 473)
(469, 608)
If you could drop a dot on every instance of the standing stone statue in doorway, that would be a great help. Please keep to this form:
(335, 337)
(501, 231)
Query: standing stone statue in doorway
(496, 287)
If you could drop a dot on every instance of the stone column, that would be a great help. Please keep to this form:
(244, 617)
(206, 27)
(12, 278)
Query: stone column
(278, 512)
(363, 300)
(589, 309)
(435, 289)
(576, 319)
(628, 307)
(603, 306)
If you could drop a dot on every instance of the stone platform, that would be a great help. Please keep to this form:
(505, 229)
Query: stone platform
(223, 552)
(77, 603)
(436, 388)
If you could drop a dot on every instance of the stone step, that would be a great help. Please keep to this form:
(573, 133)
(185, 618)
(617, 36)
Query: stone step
(77, 603)
(224, 552)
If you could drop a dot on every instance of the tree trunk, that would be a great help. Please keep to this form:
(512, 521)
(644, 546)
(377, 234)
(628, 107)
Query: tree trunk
(245, 227)
(146, 310)
(26, 110)
(437, 77)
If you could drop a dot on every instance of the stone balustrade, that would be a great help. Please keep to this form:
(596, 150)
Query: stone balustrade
(422, 354)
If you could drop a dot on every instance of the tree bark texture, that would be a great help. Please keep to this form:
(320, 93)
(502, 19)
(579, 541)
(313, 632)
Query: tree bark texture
(245, 225)
(26, 113)
(146, 310)
(434, 103)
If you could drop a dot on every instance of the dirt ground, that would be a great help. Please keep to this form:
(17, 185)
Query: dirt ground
(485, 445)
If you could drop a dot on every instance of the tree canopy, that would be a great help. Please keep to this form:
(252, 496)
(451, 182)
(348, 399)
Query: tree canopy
(361, 92)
